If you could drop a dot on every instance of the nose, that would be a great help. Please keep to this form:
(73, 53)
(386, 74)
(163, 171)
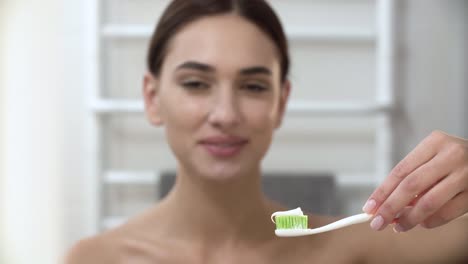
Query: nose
(224, 112)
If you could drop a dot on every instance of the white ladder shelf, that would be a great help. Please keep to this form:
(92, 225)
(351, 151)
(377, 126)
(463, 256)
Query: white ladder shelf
(382, 37)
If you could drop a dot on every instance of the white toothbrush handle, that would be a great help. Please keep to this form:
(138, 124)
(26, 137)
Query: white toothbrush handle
(351, 220)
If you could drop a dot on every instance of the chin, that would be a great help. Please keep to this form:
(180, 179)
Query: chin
(206, 167)
(224, 172)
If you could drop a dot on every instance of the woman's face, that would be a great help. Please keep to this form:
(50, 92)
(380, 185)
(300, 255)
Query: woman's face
(219, 96)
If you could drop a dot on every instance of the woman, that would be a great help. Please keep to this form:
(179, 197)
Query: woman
(217, 82)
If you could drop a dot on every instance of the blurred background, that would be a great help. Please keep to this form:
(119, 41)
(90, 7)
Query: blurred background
(371, 78)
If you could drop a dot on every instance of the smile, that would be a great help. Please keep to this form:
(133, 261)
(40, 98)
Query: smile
(223, 147)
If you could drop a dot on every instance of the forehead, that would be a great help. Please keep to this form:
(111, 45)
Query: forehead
(224, 41)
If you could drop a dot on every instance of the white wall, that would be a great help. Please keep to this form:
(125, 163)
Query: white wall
(432, 84)
(42, 123)
(33, 127)
(462, 24)
(79, 219)
(2, 128)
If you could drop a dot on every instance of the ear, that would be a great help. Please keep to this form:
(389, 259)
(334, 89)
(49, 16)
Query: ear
(284, 96)
(151, 99)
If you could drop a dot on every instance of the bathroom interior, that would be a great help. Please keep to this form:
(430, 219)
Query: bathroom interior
(370, 79)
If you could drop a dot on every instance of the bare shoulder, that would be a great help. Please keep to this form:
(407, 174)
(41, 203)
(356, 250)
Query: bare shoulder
(132, 242)
(118, 245)
(96, 249)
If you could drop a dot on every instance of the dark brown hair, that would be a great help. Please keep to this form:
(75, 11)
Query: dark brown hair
(181, 12)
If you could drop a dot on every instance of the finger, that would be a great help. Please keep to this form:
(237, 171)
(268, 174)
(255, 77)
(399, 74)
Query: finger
(431, 202)
(456, 207)
(418, 196)
(410, 188)
(397, 218)
(424, 152)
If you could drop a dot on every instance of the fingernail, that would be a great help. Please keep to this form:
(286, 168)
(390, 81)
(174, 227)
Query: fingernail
(398, 228)
(369, 206)
(377, 222)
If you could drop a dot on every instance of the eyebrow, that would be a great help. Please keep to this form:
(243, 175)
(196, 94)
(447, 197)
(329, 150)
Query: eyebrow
(193, 65)
(255, 70)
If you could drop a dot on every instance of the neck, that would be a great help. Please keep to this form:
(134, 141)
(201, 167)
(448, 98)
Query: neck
(217, 211)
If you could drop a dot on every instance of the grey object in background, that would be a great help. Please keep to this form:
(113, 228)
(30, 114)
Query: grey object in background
(313, 192)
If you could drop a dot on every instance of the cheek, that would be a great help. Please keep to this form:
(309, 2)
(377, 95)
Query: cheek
(181, 120)
(262, 116)
(178, 110)
(262, 126)
(261, 122)
(262, 129)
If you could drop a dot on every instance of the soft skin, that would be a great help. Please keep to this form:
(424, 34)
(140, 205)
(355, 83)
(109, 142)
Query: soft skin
(195, 104)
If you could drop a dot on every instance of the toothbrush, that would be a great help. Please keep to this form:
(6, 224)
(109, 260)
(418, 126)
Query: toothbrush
(293, 223)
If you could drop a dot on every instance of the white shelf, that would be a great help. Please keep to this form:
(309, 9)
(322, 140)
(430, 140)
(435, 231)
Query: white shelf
(381, 37)
(112, 106)
(117, 106)
(127, 31)
(150, 177)
(330, 34)
(131, 177)
(338, 108)
(301, 34)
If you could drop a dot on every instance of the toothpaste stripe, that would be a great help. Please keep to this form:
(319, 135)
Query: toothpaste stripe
(296, 211)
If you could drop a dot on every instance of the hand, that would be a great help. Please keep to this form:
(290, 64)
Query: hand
(428, 187)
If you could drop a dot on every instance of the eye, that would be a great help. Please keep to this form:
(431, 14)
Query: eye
(194, 85)
(255, 87)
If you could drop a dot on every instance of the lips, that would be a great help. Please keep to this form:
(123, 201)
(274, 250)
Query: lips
(223, 146)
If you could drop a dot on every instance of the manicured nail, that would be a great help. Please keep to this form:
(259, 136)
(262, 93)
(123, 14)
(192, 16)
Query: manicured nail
(369, 206)
(397, 228)
(377, 222)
